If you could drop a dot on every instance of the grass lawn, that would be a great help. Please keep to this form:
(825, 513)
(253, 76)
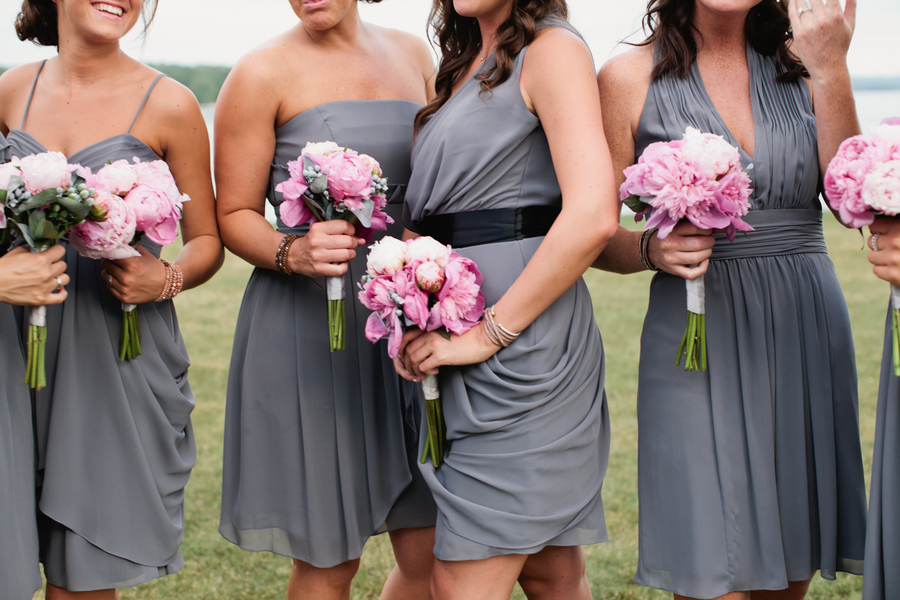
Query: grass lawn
(216, 569)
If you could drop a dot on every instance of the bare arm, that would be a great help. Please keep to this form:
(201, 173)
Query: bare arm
(624, 81)
(558, 81)
(246, 115)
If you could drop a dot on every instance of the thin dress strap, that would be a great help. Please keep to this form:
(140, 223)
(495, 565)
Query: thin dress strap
(146, 97)
(31, 95)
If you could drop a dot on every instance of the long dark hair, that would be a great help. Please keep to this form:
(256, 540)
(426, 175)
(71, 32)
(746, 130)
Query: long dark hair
(459, 39)
(39, 23)
(671, 27)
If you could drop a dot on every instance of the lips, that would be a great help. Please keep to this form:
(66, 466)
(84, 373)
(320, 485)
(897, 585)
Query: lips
(314, 4)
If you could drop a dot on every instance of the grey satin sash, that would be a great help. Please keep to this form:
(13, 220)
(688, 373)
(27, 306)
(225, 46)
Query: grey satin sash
(776, 233)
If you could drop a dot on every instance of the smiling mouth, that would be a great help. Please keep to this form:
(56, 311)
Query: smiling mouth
(109, 8)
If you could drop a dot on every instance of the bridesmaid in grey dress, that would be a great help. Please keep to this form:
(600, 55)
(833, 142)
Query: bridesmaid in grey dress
(25, 279)
(750, 474)
(882, 578)
(513, 141)
(115, 444)
(320, 447)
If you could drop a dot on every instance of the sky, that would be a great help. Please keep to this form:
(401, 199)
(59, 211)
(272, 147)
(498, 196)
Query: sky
(218, 32)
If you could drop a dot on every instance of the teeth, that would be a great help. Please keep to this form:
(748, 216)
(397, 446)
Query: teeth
(108, 8)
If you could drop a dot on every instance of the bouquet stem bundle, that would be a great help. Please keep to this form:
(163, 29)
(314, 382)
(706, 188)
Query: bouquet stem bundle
(130, 341)
(895, 327)
(35, 376)
(436, 437)
(693, 343)
(337, 322)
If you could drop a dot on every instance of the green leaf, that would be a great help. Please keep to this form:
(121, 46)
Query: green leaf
(76, 207)
(37, 201)
(636, 204)
(3, 197)
(364, 214)
(445, 332)
(26, 233)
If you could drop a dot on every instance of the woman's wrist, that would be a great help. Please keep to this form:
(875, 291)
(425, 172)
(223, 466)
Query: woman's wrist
(644, 250)
(174, 281)
(281, 255)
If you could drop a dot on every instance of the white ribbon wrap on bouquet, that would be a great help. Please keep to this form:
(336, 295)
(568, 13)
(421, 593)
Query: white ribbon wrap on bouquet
(696, 295)
(430, 387)
(334, 288)
(895, 296)
(37, 316)
(128, 307)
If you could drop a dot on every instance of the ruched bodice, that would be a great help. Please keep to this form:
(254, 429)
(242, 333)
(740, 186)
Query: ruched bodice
(528, 428)
(750, 473)
(319, 445)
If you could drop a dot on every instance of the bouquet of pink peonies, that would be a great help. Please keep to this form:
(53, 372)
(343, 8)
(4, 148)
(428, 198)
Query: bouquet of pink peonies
(328, 182)
(139, 199)
(42, 197)
(699, 179)
(862, 182)
(421, 283)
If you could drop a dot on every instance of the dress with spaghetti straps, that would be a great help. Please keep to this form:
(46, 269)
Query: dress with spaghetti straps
(882, 578)
(19, 571)
(114, 439)
(320, 447)
(529, 427)
(750, 474)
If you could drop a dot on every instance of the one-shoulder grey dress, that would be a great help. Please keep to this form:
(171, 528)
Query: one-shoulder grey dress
(19, 573)
(320, 446)
(882, 578)
(529, 427)
(115, 443)
(750, 474)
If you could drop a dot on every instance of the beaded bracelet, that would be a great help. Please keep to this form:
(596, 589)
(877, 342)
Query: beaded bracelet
(282, 255)
(174, 281)
(497, 333)
(644, 250)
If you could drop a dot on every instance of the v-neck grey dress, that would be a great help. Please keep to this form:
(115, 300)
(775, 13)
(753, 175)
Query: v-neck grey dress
(750, 474)
(529, 427)
(115, 443)
(320, 446)
(19, 573)
(882, 578)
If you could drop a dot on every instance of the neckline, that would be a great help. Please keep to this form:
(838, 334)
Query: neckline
(754, 106)
(318, 106)
(471, 77)
(86, 148)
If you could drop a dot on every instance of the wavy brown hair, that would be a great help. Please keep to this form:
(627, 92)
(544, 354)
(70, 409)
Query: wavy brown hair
(459, 39)
(671, 27)
(38, 21)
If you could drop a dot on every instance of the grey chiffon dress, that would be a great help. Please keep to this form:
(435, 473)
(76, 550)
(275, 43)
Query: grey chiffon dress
(882, 578)
(19, 573)
(114, 439)
(320, 446)
(750, 474)
(528, 428)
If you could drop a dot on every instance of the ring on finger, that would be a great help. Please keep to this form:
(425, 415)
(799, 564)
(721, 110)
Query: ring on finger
(803, 10)
(59, 283)
(873, 242)
(109, 278)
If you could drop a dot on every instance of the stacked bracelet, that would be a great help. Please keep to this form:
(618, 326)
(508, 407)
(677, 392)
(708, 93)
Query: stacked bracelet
(497, 333)
(644, 251)
(282, 255)
(174, 281)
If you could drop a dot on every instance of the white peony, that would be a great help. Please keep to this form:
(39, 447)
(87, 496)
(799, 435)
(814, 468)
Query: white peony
(710, 153)
(427, 248)
(46, 170)
(889, 133)
(881, 188)
(386, 257)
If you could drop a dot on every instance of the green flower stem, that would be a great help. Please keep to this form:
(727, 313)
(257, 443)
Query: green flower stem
(336, 325)
(895, 335)
(35, 376)
(435, 438)
(130, 341)
(693, 344)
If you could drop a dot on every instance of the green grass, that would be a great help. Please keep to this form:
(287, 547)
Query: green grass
(217, 569)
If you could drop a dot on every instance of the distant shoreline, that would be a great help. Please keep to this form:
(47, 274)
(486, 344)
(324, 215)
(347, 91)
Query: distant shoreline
(206, 81)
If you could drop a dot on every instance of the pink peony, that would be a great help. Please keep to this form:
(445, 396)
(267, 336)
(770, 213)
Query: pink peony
(371, 163)
(846, 173)
(385, 296)
(109, 238)
(155, 212)
(430, 276)
(349, 179)
(318, 152)
(294, 210)
(45, 171)
(710, 153)
(881, 188)
(119, 177)
(460, 302)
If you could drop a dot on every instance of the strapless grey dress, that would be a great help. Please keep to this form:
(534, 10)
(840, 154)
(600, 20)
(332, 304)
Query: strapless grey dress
(529, 427)
(320, 446)
(19, 573)
(882, 578)
(750, 474)
(115, 443)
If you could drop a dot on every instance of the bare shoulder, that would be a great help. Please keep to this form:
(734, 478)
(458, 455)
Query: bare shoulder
(15, 85)
(628, 72)
(411, 46)
(173, 102)
(558, 42)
